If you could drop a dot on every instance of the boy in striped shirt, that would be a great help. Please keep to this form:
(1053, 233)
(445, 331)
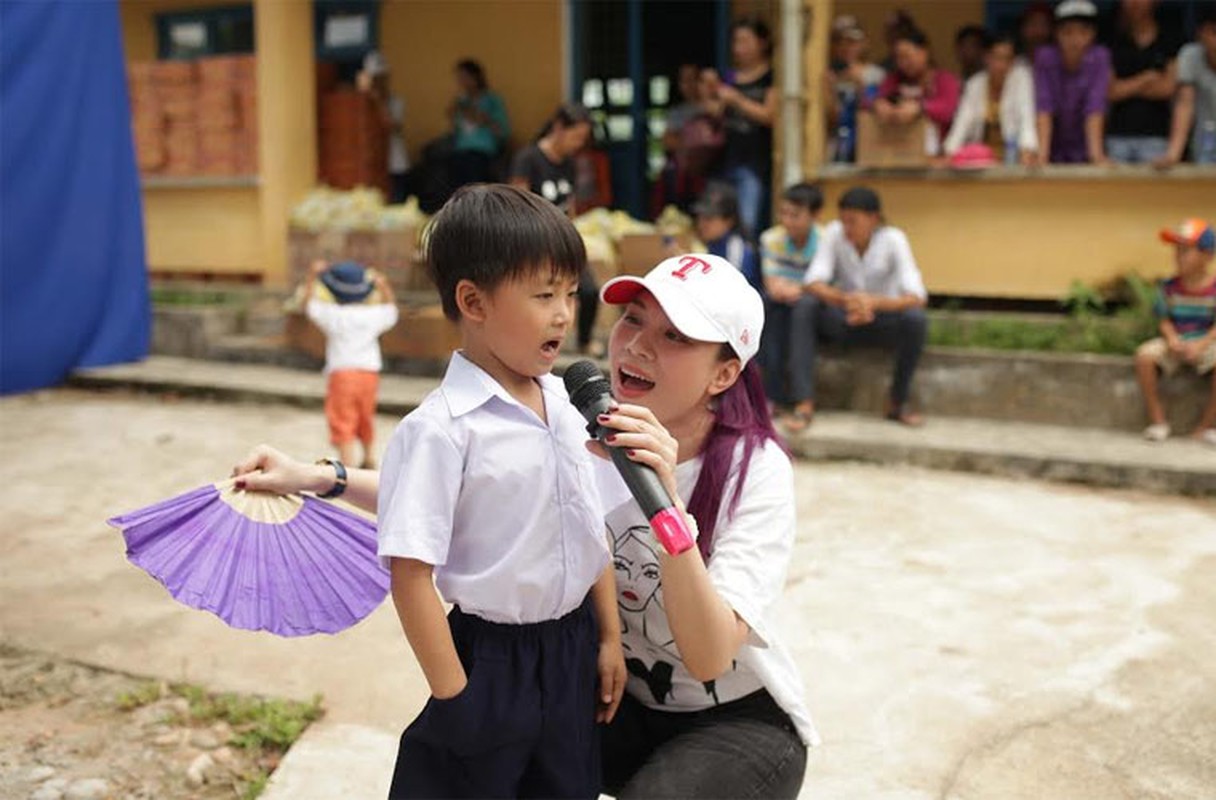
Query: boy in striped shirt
(1186, 308)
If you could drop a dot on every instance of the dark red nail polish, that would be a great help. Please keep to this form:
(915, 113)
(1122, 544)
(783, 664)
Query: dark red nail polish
(603, 417)
(630, 452)
(610, 438)
(240, 484)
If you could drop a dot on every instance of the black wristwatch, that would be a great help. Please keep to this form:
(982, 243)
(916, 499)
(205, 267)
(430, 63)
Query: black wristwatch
(340, 483)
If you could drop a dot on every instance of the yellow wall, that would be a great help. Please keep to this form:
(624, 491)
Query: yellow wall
(518, 42)
(203, 230)
(939, 19)
(1030, 238)
(240, 229)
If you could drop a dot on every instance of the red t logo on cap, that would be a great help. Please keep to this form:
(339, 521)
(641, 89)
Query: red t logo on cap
(688, 264)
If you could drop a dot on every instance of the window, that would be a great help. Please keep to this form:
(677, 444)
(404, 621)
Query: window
(206, 32)
(345, 29)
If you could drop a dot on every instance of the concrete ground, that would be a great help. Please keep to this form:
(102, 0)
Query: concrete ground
(959, 636)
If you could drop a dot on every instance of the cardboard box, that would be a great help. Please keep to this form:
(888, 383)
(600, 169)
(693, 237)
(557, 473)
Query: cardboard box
(420, 332)
(890, 145)
(638, 253)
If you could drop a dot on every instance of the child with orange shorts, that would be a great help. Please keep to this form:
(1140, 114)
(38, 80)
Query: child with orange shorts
(352, 324)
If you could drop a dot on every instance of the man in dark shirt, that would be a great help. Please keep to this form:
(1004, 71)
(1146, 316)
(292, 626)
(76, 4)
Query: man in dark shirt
(1144, 79)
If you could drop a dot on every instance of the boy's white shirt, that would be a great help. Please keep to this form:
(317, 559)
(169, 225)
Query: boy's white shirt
(503, 504)
(887, 269)
(352, 333)
(751, 555)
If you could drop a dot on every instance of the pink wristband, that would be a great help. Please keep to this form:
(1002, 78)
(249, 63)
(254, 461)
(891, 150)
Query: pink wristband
(671, 531)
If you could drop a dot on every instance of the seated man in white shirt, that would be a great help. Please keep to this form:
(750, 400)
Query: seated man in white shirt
(863, 288)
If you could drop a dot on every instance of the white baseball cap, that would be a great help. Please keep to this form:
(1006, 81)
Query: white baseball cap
(705, 297)
(1076, 9)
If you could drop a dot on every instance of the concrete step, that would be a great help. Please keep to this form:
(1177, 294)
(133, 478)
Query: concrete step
(1052, 452)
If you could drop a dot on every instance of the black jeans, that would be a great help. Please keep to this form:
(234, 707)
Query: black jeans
(588, 306)
(776, 348)
(745, 748)
(814, 321)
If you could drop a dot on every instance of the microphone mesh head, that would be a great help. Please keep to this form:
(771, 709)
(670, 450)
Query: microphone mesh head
(584, 382)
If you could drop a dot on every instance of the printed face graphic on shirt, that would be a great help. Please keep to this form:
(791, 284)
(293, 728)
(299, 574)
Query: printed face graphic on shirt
(637, 570)
(553, 190)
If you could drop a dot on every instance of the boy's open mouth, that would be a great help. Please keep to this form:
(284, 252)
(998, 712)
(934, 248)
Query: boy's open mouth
(551, 347)
(630, 380)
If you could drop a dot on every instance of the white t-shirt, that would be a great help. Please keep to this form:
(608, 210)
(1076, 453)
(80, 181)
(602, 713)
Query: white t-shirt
(748, 565)
(398, 157)
(887, 269)
(352, 333)
(503, 504)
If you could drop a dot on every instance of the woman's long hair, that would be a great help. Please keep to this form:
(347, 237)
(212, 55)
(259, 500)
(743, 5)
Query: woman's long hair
(741, 416)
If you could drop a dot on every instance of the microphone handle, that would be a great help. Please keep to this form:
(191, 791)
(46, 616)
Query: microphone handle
(669, 526)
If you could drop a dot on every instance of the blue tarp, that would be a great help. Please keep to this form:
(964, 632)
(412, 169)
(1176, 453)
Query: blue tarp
(73, 282)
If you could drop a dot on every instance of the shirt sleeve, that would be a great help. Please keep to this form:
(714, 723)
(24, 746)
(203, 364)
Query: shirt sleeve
(1160, 309)
(910, 281)
(1044, 98)
(822, 268)
(420, 482)
(1188, 64)
(498, 112)
(751, 550)
(889, 87)
(941, 106)
(321, 314)
(769, 242)
(386, 316)
(1095, 98)
(519, 166)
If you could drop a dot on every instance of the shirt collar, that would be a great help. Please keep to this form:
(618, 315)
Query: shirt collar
(467, 386)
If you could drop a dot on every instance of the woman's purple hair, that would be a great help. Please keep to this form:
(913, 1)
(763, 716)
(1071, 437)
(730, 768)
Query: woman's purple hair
(741, 415)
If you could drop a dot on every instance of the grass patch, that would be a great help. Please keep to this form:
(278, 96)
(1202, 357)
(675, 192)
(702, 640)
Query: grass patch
(1114, 321)
(182, 296)
(142, 695)
(256, 722)
(264, 728)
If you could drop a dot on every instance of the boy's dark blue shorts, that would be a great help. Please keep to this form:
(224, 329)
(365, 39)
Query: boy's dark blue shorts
(525, 724)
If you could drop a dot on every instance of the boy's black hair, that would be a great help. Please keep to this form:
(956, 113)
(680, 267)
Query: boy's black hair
(718, 200)
(567, 115)
(1002, 38)
(806, 195)
(490, 233)
(974, 32)
(861, 198)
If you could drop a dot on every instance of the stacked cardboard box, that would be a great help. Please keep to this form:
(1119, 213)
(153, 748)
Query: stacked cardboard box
(393, 252)
(227, 115)
(353, 142)
(195, 118)
(147, 118)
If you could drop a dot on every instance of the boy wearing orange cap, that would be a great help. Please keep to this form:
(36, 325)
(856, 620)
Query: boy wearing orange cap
(1186, 308)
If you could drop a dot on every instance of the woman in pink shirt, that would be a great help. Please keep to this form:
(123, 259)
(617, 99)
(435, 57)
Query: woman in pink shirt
(917, 87)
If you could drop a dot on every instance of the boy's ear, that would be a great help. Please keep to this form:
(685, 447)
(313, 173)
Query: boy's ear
(471, 301)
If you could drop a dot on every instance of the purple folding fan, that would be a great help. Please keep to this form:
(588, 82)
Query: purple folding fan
(288, 564)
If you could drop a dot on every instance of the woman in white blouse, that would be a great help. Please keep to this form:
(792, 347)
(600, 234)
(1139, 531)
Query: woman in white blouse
(997, 108)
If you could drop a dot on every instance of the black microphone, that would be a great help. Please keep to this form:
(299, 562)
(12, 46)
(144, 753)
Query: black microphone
(591, 394)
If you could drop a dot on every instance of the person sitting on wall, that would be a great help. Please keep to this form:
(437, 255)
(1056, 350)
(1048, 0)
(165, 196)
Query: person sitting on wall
(866, 291)
(1186, 310)
(1071, 79)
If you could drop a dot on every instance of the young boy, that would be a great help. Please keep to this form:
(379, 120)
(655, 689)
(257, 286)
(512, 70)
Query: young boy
(786, 251)
(717, 221)
(1071, 79)
(487, 494)
(1186, 308)
(352, 328)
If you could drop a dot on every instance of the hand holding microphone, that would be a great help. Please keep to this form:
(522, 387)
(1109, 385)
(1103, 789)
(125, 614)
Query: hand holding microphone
(591, 394)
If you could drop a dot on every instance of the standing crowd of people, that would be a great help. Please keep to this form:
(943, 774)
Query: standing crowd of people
(1066, 87)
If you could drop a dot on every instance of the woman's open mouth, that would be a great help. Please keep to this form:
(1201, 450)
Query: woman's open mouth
(633, 383)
